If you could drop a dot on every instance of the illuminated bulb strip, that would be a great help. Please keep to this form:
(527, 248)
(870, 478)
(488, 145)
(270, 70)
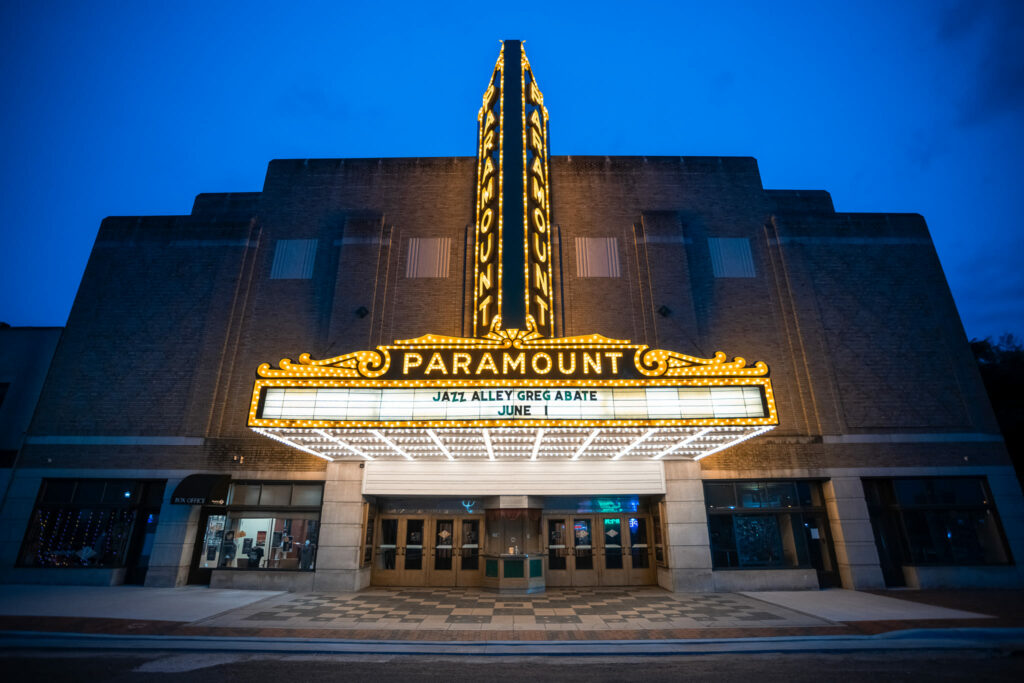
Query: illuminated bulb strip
(648, 434)
(342, 444)
(583, 447)
(430, 432)
(391, 443)
(515, 443)
(673, 449)
(536, 444)
(487, 442)
(733, 442)
(286, 442)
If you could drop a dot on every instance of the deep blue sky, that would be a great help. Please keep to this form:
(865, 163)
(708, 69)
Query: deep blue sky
(133, 108)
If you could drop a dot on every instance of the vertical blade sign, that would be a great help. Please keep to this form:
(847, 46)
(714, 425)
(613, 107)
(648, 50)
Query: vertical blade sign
(512, 249)
(537, 206)
(489, 181)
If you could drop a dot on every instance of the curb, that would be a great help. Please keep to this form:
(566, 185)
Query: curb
(915, 639)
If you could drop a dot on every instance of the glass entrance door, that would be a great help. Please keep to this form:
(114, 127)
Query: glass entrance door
(443, 560)
(820, 550)
(582, 564)
(640, 554)
(613, 569)
(206, 555)
(400, 559)
(467, 557)
(559, 548)
(412, 550)
(385, 566)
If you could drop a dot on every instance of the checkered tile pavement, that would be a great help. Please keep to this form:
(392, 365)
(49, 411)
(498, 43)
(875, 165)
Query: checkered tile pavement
(442, 608)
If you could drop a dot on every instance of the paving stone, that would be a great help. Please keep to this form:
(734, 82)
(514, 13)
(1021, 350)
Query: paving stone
(637, 608)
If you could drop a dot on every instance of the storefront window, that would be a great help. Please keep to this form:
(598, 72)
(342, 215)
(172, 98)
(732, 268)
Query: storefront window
(88, 523)
(935, 521)
(266, 526)
(767, 524)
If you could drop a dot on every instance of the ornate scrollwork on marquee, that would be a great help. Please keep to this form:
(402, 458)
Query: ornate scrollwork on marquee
(662, 363)
(356, 365)
(647, 362)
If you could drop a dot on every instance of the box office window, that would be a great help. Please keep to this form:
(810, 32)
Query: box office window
(767, 524)
(90, 523)
(267, 525)
(935, 521)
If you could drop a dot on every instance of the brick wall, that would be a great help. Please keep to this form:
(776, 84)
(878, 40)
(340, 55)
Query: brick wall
(851, 311)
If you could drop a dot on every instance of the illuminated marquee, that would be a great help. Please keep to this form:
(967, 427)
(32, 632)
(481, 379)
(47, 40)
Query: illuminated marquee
(513, 389)
(366, 406)
(434, 364)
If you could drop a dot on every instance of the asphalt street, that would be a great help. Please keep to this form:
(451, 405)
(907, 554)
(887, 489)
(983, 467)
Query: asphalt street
(153, 667)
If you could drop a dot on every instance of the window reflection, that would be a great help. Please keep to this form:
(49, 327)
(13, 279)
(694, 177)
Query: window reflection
(935, 521)
(254, 541)
(265, 527)
(767, 524)
(91, 523)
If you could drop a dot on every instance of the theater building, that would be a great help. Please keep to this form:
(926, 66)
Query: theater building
(514, 371)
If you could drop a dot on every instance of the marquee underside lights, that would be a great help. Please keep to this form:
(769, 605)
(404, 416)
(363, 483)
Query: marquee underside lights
(514, 444)
(513, 390)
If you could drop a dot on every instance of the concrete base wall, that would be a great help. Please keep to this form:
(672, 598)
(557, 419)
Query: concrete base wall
(341, 580)
(731, 581)
(262, 580)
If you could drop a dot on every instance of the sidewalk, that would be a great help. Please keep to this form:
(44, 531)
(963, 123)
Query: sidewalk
(203, 618)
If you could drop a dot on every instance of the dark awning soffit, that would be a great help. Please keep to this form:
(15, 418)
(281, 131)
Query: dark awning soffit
(202, 489)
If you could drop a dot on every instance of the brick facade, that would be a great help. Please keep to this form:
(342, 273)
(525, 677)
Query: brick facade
(852, 313)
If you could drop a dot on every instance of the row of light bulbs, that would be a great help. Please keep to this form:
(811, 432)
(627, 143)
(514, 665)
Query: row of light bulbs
(701, 444)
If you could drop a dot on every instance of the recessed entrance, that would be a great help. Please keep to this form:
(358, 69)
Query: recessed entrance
(546, 541)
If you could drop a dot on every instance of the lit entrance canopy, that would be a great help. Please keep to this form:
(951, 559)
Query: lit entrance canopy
(513, 395)
(513, 390)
